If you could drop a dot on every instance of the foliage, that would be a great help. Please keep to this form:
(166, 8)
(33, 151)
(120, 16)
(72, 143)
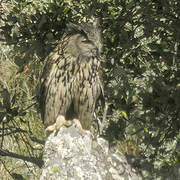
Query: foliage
(140, 61)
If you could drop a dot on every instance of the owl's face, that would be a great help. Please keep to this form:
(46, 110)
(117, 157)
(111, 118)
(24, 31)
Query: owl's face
(86, 46)
(85, 40)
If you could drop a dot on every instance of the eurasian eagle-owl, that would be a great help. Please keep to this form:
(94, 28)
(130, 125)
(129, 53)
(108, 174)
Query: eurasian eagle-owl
(71, 81)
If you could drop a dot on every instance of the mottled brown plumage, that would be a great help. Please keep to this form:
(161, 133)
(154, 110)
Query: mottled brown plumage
(70, 83)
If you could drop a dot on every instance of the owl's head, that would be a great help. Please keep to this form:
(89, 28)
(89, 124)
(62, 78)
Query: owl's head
(85, 39)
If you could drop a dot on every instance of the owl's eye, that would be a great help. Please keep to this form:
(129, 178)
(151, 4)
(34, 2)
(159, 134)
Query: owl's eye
(85, 41)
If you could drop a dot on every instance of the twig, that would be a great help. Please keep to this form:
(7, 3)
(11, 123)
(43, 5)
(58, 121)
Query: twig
(34, 139)
(175, 53)
(2, 135)
(12, 132)
(104, 117)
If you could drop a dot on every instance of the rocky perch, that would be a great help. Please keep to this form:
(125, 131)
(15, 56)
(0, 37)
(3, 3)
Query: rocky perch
(69, 155)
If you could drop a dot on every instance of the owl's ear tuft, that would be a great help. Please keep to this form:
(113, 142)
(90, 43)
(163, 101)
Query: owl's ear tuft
(73, 28)
(96, 23)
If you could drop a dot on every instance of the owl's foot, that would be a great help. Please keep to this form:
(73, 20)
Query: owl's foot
(78, 125)
(60, 121)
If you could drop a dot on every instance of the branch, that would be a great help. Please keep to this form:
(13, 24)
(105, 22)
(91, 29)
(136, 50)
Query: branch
(38, 161)
(13, 132)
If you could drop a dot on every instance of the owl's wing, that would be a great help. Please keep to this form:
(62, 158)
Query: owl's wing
(49, 61)
(55, 91)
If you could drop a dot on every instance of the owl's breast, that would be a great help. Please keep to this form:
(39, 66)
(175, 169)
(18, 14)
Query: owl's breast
(87, 80)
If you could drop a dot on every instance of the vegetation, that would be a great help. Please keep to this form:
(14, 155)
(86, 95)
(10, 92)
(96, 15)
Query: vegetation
(140, 60)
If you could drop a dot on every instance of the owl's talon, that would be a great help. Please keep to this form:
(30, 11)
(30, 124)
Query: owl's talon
(50, 129)
(60, 121)
(89, 133)
(80, 129)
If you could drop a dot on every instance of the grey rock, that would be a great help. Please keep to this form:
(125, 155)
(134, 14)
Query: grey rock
(69, 155)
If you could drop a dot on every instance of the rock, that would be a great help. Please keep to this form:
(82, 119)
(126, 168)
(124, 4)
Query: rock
(69, 155)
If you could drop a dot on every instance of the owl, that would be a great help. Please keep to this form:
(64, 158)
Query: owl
(71, 80)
